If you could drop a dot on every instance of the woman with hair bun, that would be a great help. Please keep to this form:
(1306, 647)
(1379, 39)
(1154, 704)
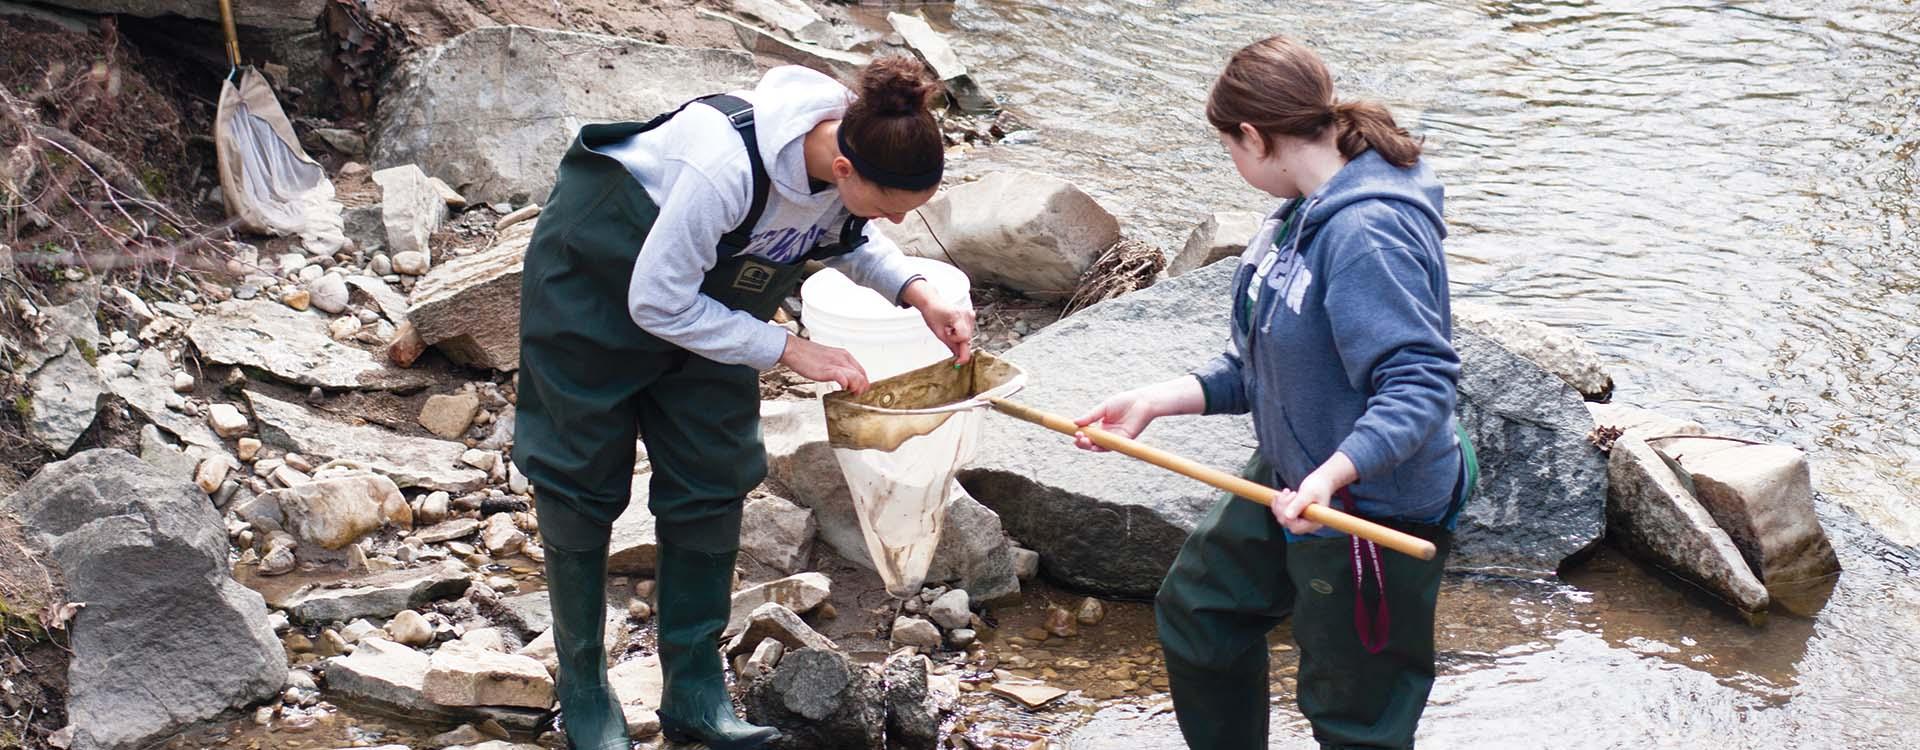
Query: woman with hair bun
(1340, 348)
(661, 254)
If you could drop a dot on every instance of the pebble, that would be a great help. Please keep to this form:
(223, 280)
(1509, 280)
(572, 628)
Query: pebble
(328, 293)
(333, 644)
(961, 637)
(298, 462)
(343, 328)
(182, 383)
(1061, 623)
(367, 317)
(479, 459)
(1092, 611)
(639, 610)
(310, 273)
(410, 628)
(381, 265)
(411, 262)
(299, 643)
(226, 420)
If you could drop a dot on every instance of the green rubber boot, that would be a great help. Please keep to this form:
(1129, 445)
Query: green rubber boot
(576, 584)
(695, 590)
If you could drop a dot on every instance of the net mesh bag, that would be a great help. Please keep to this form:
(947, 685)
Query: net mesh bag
(899, 444)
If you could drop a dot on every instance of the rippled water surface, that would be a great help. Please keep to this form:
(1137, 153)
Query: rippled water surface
(1719, 196)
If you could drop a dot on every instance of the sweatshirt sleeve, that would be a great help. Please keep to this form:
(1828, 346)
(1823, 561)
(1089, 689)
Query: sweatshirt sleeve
(1390, 338)
(1223, 383)
(878, 265)
(663, 293)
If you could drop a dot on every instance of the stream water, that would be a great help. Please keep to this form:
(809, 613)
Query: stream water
(1719, 196)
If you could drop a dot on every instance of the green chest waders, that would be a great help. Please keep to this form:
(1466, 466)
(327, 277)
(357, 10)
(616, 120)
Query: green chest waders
(1237, 577)
(591, 383)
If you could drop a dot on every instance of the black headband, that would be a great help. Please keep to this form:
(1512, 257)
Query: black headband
(884, 178)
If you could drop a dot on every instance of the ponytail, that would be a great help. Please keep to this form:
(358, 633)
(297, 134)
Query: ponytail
(1281, 87)
(1368, 125)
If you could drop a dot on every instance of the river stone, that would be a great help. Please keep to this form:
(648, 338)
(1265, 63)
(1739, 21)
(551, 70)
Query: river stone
(338, 510)
(800, 593)
(1654, 516)
(633, 549)
(527, 615)
(820, 699)
(949, 610)
(637, 681)
(913, 721)
(409, 461)
(65, 395)
(800, 460)
(469, 307)
(293, 346)
(1762, 495)
(1224, 234)
(448, 415)
(915, 632)
(459, 675)
(411, 209)
(167, 638)
(776, 533)
(1561, 353)
(449, 530)
(492, 110)
(381, 595)
(771, 620)
(1104, 523)
(329, 294)
(1542, 495)
(147, 389)
(1029, 232)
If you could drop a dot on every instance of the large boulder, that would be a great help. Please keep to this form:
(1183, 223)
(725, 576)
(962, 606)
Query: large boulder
(293, 346)
(1762, 495)
(167, 638)
(1542, 496)
(1102, 522)
(819, 698)
(469, 307)
(1561, 353)
(1029, 232)
(1223, 234)
(972, 546)
(1653, 515)
(491, 111)
(409, 461)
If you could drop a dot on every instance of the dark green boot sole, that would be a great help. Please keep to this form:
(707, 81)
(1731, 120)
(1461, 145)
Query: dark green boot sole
(696, 595)
(576, 586)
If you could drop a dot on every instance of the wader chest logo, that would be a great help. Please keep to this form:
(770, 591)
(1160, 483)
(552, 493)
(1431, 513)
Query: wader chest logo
(753, 277)
(1321, 586)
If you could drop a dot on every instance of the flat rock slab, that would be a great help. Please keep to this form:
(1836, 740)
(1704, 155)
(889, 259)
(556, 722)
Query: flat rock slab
(380, 595)
(293, 346)
(148, 387)
(1104, 523)
(409, 461)
(492, 110)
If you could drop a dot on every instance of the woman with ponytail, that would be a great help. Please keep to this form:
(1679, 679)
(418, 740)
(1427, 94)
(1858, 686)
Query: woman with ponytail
(1341, 351)
(661, 254)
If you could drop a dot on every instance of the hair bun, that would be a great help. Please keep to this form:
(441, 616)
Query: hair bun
(896, 86)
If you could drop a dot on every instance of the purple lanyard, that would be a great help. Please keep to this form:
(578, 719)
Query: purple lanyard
(1371, 627)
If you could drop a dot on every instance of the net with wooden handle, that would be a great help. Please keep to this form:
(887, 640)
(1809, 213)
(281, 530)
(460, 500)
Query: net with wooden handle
(1398, 541)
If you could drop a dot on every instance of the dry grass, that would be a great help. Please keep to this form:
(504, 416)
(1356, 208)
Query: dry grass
(1130, 265)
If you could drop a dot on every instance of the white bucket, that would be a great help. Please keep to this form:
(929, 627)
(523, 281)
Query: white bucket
(884, 338)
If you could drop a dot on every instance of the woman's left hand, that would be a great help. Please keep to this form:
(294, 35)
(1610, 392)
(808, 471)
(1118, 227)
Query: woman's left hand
(952, 325)
(1289, 504)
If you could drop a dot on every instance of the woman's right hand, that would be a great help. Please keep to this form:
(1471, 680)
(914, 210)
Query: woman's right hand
(825, 364)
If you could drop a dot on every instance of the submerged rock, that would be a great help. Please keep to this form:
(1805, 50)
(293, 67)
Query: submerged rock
(1652, 514)
(167, 638)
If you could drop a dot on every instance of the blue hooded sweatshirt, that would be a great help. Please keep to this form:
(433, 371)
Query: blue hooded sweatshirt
(1342, 340)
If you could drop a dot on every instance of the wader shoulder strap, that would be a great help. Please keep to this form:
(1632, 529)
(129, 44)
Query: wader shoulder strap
(740, 112)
